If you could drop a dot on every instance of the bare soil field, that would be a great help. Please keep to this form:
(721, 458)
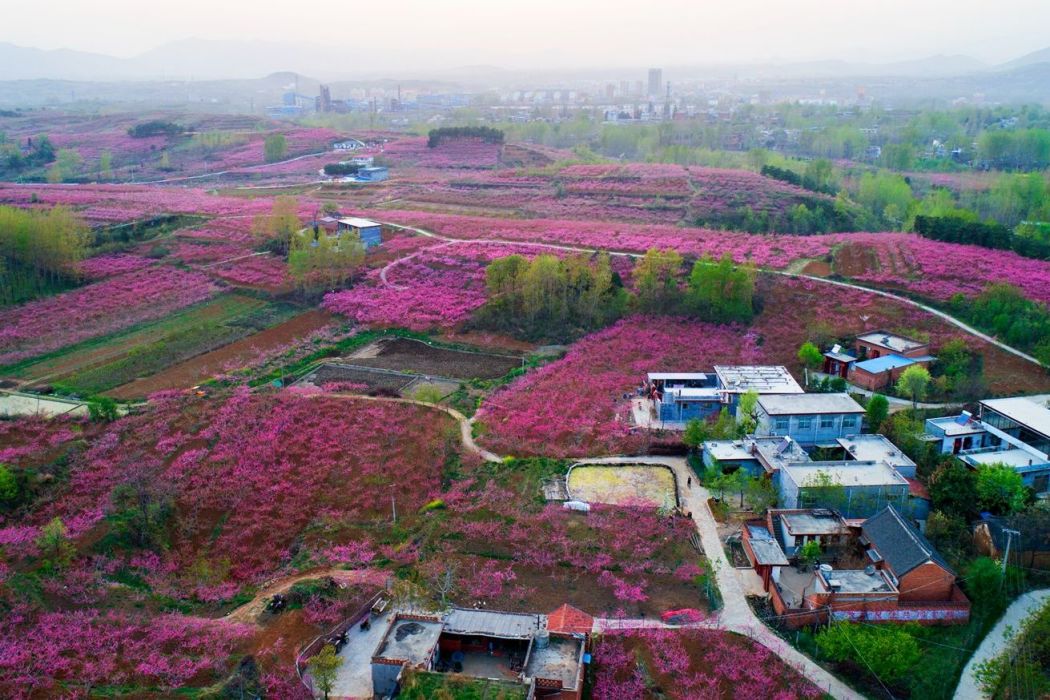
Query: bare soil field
(622, 484)
(372, 380)
(817, 268)
(407, 355)
(198, 369)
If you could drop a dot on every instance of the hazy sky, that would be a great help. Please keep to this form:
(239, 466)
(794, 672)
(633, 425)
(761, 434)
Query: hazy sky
(553, 33)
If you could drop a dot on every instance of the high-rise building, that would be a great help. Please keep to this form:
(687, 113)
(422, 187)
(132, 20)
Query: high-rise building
(656, 80)
(625, 89)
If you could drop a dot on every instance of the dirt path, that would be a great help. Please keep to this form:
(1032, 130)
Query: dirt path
(247, 168)
(848, 285)
(250, 611)
(992, 645)
(736, 615)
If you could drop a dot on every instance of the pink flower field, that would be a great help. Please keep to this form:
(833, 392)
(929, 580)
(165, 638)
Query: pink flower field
(103, 307)
(104, 266)
(571, 407)
(262, 271)
(763, 250)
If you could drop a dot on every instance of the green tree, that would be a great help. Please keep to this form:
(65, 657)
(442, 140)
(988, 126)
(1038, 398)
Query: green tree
(722, 292)
(102, 409)
(809, 553)
(914, 382)
(275, 147)
(877, 410)
(10, 489)
(1000, 489)
(323, 262)
(953, 490)
(761, 494)
(983, 583)
(890, 652)
(810, 357)
(56, 549)
(105, 165)
(323, 669)
(695, 433)
(276, 228)
(747, 413)
(822, 490)
(656, 279)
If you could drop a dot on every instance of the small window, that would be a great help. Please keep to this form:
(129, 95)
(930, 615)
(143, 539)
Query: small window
(827, 421)
(781, 424)
(849, 421)
(805, 423)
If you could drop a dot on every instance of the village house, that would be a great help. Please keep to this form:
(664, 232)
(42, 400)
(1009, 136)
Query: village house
(881, 358)
(1012, 431)
(370, 232)
(671, 399)
(372, 173)
(855, 489)
(809, 419)
(541, 654)
(879, 570)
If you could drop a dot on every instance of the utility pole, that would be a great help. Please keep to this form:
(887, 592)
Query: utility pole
(1010, 534)
(393, 508)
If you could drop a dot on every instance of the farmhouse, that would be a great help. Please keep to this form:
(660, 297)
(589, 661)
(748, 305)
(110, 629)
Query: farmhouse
(878, 448)
(856, 489)
(674, 398)
(370, 232)
(810, 419)
(882, 358)
(1013, 431)
(544, 655)
(373, 173)
(758, 455)
(348, 145)
(882, 570)
(734, 380)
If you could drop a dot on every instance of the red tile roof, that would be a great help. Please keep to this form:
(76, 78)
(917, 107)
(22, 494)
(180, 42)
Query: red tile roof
(918, 489)
(570, 620)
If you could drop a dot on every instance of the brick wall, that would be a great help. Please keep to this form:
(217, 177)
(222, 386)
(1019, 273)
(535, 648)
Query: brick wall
(928, 582)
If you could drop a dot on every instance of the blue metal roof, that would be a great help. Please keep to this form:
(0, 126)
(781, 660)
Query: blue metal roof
(884, 363)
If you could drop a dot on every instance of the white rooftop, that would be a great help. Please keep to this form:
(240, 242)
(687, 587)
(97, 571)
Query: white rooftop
(896, 343)
(691, 392)
(1015, 457)
(1029, 411)
(358, 223)
(953, 428)
(670, 376)
(875, 448)
(806, 404)
(844, 473)
(765, 379)
(728, 450)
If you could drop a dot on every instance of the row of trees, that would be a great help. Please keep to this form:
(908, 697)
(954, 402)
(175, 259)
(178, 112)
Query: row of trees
(561, 298)
(449, 133)
(39, 250)
(958, 229)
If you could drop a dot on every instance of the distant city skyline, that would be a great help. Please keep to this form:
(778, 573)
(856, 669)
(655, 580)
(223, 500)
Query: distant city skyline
(545, 34)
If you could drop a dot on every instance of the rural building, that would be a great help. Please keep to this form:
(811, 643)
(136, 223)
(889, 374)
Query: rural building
(1029, 546)
(543, 655)
(866, 487)
(882, 357)
(883, 570)
(916, 567)
(758, 455)
(348, 145)
(878, 448)
(1012, 431)
(370, 232)
(810, 419)
(734, 380)
(837, 362)
(373, 173)
(683, 396)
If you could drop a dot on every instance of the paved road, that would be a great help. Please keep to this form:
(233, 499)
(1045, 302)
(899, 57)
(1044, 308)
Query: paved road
(996, 641)
(783, 273)
(736, 615)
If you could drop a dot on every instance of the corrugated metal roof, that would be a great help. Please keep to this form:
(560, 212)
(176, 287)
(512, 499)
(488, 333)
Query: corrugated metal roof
(884, 363)
(489, 623)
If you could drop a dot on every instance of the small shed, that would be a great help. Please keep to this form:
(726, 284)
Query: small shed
(370, 232)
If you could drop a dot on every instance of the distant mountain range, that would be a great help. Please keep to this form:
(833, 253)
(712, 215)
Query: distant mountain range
(200, 59)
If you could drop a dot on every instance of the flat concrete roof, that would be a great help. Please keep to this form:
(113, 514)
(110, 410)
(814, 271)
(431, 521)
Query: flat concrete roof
(775, 452)
(767, 550)
(875, 448)
(896, 343)
(412, 641)
(1029, 411)
(814, 522)
(671, 376)
(1015, 457)
(845, 473)
(357, 222)
(560, 660)
(768, 379)
(492, 623)
(709, 393)
(953, 428)
(857, 581)
(808, 404)
(728, 450)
